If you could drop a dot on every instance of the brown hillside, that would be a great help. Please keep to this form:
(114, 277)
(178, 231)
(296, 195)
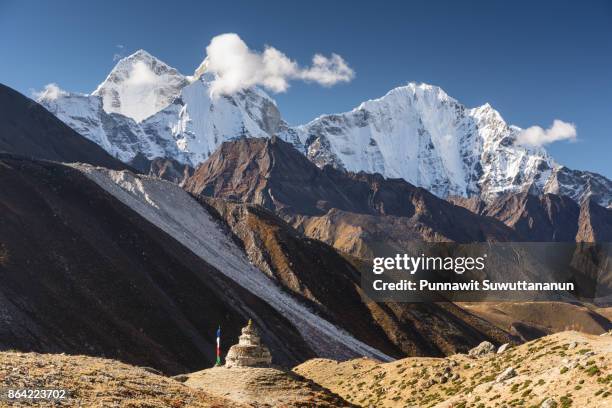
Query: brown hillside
(570, 369)
(525, 318)
(318, 274)
(357, 212)
(96, 383)
(264, 387)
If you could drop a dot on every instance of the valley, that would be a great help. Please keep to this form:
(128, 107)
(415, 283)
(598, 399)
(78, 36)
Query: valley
(150, 216)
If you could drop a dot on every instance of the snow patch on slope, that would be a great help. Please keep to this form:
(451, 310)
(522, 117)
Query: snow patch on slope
(119, 135)
(175, 212)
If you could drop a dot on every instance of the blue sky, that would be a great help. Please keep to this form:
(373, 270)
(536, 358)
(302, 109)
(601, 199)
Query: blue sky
(533, 61)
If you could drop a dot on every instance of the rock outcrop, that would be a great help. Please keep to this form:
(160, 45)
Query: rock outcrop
(482, 349)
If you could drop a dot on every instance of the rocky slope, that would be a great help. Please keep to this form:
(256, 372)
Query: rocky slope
(362, 215)
(28, 129)
(579, 185)
(96, 383)
(305, 267)
(175, 212)
(595, 223)
(416, 132)
(165, 169)
(315, 272)
(352, 212)
(547, 217)
(120, 286)
(567, 369)
(531, 320)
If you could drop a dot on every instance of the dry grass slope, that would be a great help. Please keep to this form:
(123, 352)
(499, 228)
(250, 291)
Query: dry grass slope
(264, 387)
(96, 382)
(571, 368)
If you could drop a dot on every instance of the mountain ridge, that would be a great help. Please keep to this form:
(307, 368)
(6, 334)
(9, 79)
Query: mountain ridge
(29, 130)
(332, 205)
(416, 132)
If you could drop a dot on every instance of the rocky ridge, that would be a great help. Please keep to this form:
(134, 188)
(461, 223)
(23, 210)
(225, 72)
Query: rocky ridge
(319, 202)
(27, 129)
(547, 217)
(308, 268)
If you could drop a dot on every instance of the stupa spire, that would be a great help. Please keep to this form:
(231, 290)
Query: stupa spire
(250, 351)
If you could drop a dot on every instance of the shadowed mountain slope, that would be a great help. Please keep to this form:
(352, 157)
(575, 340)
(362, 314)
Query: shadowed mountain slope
(308, 268)
(28, 129)
(274, 176)
(331, 284)
(84, 273)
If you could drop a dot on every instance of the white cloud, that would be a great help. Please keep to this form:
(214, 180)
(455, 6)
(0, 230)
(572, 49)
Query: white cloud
(237, 67)
(50, 92)
(328, 71)
(118, 55)
(139, 93)
(141, 76)
(537, 136)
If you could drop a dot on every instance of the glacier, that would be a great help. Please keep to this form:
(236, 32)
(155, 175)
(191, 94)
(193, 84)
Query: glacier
(416, 132)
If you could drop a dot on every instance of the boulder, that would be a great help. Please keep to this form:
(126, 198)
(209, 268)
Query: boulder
(507, 374)
(549, 403)
(482, 349)
(503, 348)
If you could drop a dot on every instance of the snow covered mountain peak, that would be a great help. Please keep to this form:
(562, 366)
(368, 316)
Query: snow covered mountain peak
(148, 109)
(425, 93)
(417, 132)
(139, 86)
(200, 70)
(486, 113)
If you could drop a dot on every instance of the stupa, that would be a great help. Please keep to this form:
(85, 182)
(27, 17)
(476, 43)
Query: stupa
(249, 352)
